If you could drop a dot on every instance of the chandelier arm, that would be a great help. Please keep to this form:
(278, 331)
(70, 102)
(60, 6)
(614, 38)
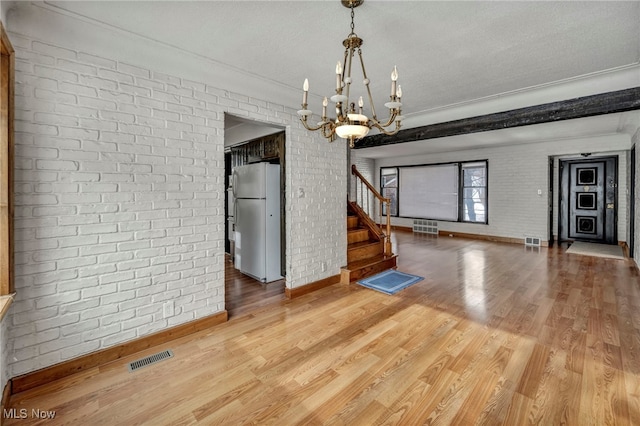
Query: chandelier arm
(391, 119)
(328, 130)
(311, 128)
(346, 56)
(350, 52)
(383, 130)
(341, 117)
(366, 79)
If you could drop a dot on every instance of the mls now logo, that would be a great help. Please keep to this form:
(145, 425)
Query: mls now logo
(14, 413)
(23, 413)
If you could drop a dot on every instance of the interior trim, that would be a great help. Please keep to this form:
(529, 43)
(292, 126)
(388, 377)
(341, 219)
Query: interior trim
(7, 84)
(292, 293)
(443, 233)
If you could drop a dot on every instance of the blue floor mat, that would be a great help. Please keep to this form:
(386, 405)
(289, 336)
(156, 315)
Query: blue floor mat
(390, 281)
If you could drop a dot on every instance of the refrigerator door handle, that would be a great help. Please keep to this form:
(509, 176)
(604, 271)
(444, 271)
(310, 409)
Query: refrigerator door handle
(236, 215)
(234, 183)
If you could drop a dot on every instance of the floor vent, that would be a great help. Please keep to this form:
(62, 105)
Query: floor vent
(425, 226)
(151, 359)
(532, 241)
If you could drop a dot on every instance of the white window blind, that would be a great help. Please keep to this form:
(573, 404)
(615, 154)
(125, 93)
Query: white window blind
(429, 192)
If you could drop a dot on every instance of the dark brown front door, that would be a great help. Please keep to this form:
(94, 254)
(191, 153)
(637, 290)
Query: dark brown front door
(588, 200)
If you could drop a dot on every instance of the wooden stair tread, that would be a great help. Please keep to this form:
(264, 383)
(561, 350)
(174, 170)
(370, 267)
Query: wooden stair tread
(357, 235)
(361, 244)
(352, 230)
(358, 264)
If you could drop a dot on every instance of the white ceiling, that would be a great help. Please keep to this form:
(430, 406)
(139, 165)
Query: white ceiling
(447, 53)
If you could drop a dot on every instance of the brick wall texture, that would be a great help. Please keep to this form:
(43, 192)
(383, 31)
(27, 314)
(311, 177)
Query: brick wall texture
(119, 201)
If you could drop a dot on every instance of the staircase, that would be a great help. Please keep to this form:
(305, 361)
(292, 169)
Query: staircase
(369, 246)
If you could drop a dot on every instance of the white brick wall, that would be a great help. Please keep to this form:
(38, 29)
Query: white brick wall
(316, 207)
(4, 352)
(116, 209)
(119, 200)
(515, 175)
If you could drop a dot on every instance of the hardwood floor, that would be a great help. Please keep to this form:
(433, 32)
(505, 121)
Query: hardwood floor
(244, 294)
(494, 334)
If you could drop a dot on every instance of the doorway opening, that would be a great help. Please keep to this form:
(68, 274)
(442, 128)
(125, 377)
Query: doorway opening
(247, 143)
(588, 200)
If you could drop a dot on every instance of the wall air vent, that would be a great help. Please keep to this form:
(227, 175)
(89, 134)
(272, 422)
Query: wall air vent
(151, 359)
(425, 226)
(532, 241)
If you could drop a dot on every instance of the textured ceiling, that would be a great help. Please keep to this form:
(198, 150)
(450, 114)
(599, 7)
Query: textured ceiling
(447, 53)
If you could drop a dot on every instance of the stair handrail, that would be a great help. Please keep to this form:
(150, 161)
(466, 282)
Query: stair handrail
(365, 204)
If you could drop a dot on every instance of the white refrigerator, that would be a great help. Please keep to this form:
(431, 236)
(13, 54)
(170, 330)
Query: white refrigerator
(256, 189)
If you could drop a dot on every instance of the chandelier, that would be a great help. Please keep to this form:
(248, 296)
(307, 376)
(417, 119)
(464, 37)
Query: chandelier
(352, 124)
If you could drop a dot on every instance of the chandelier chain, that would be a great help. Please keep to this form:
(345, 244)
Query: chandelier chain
(352, 24)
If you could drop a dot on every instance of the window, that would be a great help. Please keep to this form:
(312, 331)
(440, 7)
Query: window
(389, 188)
(454, 192)
(474, 192)
(429, 192)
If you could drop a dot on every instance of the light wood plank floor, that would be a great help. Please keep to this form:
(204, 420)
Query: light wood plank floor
(494, 334)
(244, 294)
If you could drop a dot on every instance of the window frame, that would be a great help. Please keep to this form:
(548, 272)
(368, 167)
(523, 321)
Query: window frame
(7, 82)
(382, 188)
(460, 186)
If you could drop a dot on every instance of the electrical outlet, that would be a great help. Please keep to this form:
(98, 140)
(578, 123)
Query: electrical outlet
(168, 309)
(323, 266)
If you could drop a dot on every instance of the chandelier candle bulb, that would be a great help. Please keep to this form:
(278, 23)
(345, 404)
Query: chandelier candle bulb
(394, 79)
(399, 92)
(325, 102)
(338, 76)
(360, 105)
(305, 88)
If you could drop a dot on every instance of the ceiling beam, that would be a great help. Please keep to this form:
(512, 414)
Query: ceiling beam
(586, 106)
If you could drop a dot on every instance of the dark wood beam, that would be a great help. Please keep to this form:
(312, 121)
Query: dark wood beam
(586, 106)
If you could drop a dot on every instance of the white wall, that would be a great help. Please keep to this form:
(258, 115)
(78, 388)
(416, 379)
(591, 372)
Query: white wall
(4, 352)
(119, 189)
(516, 173)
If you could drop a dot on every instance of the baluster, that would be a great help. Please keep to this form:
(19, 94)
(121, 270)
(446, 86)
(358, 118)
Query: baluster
(366, 202)
(380, 216)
